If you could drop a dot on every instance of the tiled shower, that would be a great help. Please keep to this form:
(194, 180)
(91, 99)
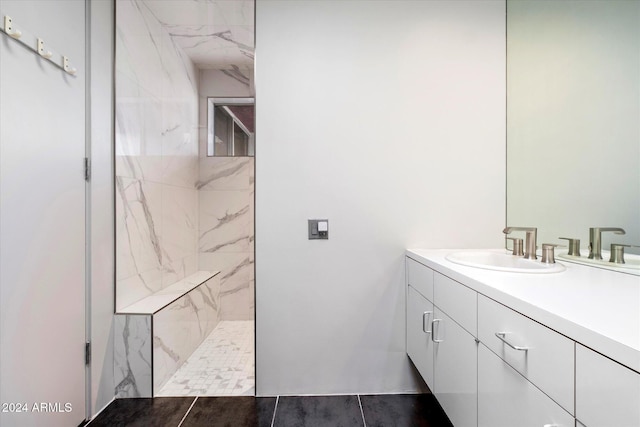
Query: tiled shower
(178, 213)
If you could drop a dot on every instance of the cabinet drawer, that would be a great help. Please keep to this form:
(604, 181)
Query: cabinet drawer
(546, 358)
(420, 277)
(607, 393)
(458, 301)
(507, 399)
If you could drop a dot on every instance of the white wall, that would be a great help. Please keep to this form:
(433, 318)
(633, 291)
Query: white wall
(387, 118)
(102, 209)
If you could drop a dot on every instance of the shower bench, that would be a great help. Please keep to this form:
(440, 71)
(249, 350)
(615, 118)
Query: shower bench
(156, 335)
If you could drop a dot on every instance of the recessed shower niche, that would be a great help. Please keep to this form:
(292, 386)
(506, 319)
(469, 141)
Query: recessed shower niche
(184, 220)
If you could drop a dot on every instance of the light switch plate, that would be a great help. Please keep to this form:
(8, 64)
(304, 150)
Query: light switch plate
(318, 232)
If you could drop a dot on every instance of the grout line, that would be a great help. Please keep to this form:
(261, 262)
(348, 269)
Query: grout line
(188, 410)
(364, 423)
(275, 408)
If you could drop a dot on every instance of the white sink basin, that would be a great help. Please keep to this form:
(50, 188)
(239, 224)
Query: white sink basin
(502, 261)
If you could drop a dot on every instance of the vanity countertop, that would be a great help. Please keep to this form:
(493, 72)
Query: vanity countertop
(597, 308)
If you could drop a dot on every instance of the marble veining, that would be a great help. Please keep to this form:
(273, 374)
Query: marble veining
(181, 327)
(227, 218)
(136, 208)
(165, 349)
(237, 74)
(213, 34)
(156, 156)
(132, 356)
(225, 173)
(226, 231)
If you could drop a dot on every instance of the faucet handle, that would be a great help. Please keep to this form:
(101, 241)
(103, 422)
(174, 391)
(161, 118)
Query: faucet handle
(517, 246)
(617, 252)
(548, 253)
(574, 246)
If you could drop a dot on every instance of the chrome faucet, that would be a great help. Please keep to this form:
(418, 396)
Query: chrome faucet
(530, 242)
(595, 240)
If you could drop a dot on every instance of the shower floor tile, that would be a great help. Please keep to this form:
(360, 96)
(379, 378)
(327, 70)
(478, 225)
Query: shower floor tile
(223, 365)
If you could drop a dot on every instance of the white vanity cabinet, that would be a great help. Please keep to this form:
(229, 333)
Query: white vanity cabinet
(607, 393)
(512, 349)
(441, 340)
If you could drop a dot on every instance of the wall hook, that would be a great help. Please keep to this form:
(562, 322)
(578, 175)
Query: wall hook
(41, 50)
(37, 45)
(8, 28)
(68, 68)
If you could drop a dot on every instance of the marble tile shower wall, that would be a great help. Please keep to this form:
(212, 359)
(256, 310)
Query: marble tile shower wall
(226, 236)
(132, 356)
(156, 156)
(181, 327)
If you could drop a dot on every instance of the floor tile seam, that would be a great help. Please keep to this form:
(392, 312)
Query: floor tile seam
(275, 408)
(364, 422)
(188, 410)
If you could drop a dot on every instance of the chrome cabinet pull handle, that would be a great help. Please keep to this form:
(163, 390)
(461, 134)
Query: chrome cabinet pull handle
(425, 316)
(433, 328)
(502, 337)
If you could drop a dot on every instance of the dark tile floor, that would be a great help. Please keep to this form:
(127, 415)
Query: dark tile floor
(386, 410)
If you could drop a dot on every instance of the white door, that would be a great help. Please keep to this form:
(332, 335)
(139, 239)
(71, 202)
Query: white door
(42, 218)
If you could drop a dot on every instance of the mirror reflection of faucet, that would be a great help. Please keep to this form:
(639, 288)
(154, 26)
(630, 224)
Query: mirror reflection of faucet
(616, 260)
(617, 252)
(595, 240)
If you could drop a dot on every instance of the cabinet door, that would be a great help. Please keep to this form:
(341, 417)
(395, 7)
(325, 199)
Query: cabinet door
(506, 398)
(607, 393)
(455, 370)
(419, 343)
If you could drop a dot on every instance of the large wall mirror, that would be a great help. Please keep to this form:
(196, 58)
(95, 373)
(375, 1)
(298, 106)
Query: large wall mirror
(573, 118)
